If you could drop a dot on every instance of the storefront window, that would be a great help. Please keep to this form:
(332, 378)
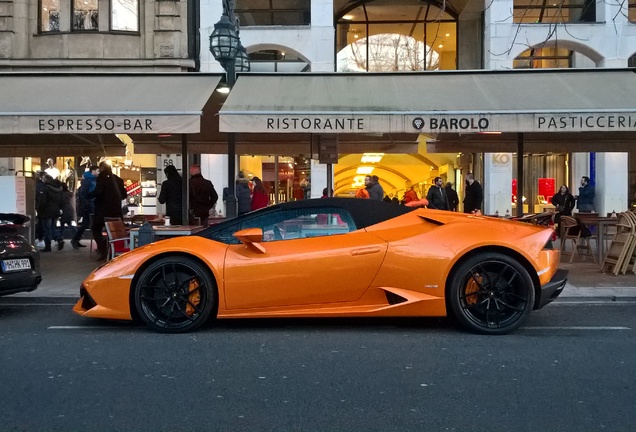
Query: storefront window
(562, 11)
(125, 15)
(273, 12)
(631, 12)
(85, 15)
(49, 16)
(385, 36)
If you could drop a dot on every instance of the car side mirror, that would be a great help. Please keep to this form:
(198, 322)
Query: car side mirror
(252, 238)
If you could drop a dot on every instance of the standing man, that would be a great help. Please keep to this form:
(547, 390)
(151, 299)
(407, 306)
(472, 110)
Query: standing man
(108, 193)
(171, 195)
(203, 196)
(49, 203)
(374, 188)
(473, 195)
(243, 194)
(451, 195)
(585, 198)
(437, 195)
(85, 205)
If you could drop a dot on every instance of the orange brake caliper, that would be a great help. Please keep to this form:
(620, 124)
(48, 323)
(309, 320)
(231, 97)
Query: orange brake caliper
(471, 288)
(194, 297)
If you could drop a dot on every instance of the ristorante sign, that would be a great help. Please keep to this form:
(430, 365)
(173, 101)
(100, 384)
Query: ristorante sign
(99, 124)
(428, 123)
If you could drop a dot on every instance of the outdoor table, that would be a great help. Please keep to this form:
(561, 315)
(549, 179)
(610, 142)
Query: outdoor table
(166, 231)
(600, 222)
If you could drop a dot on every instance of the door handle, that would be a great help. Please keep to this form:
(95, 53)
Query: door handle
(366, 251)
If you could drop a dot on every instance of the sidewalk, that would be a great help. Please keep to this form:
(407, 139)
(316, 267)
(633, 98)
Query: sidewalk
(63, 271)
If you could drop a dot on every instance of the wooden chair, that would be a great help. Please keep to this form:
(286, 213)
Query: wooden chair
(619, 253)
(572, 234)
(118, 238)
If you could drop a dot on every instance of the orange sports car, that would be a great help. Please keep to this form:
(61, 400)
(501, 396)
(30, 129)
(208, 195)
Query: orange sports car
(334, 257)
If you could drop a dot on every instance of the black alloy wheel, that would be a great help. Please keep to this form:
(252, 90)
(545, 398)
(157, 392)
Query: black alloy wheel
(491, 293)
(175, 295)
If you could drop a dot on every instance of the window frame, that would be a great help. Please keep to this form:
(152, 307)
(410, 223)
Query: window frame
(110, 19)
(73, 29)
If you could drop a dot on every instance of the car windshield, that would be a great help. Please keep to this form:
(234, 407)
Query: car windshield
(286, 224)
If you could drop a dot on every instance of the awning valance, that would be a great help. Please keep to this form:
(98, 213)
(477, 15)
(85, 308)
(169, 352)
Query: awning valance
(103, 103)
(573, 100)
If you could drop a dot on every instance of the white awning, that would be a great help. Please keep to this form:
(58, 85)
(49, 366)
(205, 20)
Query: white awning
(103, 103)
(572, 100)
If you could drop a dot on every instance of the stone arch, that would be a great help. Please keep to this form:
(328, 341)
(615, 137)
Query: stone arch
(574, 45)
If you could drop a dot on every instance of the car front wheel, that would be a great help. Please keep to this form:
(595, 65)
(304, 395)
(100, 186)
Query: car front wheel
(175, 295)
(491, 293)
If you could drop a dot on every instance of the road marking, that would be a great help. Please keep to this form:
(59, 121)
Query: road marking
(36, 304)
(81, 327)
(576, 328)
(607, 302)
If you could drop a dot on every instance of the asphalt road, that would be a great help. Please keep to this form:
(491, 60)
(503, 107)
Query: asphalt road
(571, 368)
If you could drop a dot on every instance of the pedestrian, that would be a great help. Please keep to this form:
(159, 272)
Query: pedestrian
(68, 212)
(172, 195)
(437, 195)
(39, 230)
(410, 195)
(362, 193)
(451, 195)
(260, 198)
(243, 194)
(585, 198)
(203, 196)
(109, 192)
(473, 194)
(374, 188)
(563, 203)
(85, 206)
(49, 206)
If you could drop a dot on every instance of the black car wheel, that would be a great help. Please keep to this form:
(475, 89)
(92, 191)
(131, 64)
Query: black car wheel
(491, 294)
(175, 295)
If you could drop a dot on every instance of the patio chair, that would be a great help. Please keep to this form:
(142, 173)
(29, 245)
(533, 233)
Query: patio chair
(118, 238)
(571, 230)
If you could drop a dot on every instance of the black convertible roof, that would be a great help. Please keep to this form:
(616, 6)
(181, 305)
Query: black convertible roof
(364, 212)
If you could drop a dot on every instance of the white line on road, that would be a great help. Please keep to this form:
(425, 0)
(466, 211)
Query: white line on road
(81, 327)
(36, 304)
(576, 328)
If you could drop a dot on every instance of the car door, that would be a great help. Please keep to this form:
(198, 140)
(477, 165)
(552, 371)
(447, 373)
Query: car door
(304, 264)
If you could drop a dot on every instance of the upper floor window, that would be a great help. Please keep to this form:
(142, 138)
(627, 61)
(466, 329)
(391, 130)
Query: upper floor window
(631, 11)
(273, 12)
(390, 36)
(49, 16)
(124, 15)
(546, 57)
(560, 11)
(85, 15)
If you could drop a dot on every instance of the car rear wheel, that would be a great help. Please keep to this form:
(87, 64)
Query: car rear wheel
(491, 293)
(175, 295)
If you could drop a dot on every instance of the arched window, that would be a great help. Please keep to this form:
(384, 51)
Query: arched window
(405, 35)
(277, 61)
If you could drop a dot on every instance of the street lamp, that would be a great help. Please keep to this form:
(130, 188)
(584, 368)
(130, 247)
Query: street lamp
(225, 46)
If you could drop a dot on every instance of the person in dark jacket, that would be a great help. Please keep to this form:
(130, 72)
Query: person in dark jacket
(109, 192)
(85, 205)
(473, 194)
(585, 198)
(243, 194)
(49, 204)
(68, 211)
(451, 195)
(203, 196)
(563, 201)
(437, 195)
(172, 195)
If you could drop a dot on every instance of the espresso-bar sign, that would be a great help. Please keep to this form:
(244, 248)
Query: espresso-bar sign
(97, 124)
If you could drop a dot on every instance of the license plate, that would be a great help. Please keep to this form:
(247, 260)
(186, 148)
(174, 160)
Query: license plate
(16, 265)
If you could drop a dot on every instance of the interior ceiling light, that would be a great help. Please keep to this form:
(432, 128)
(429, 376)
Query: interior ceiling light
(366, 170)
(371, 157)
(347, 17)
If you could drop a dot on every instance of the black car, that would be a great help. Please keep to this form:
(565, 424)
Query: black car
(19, 260)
